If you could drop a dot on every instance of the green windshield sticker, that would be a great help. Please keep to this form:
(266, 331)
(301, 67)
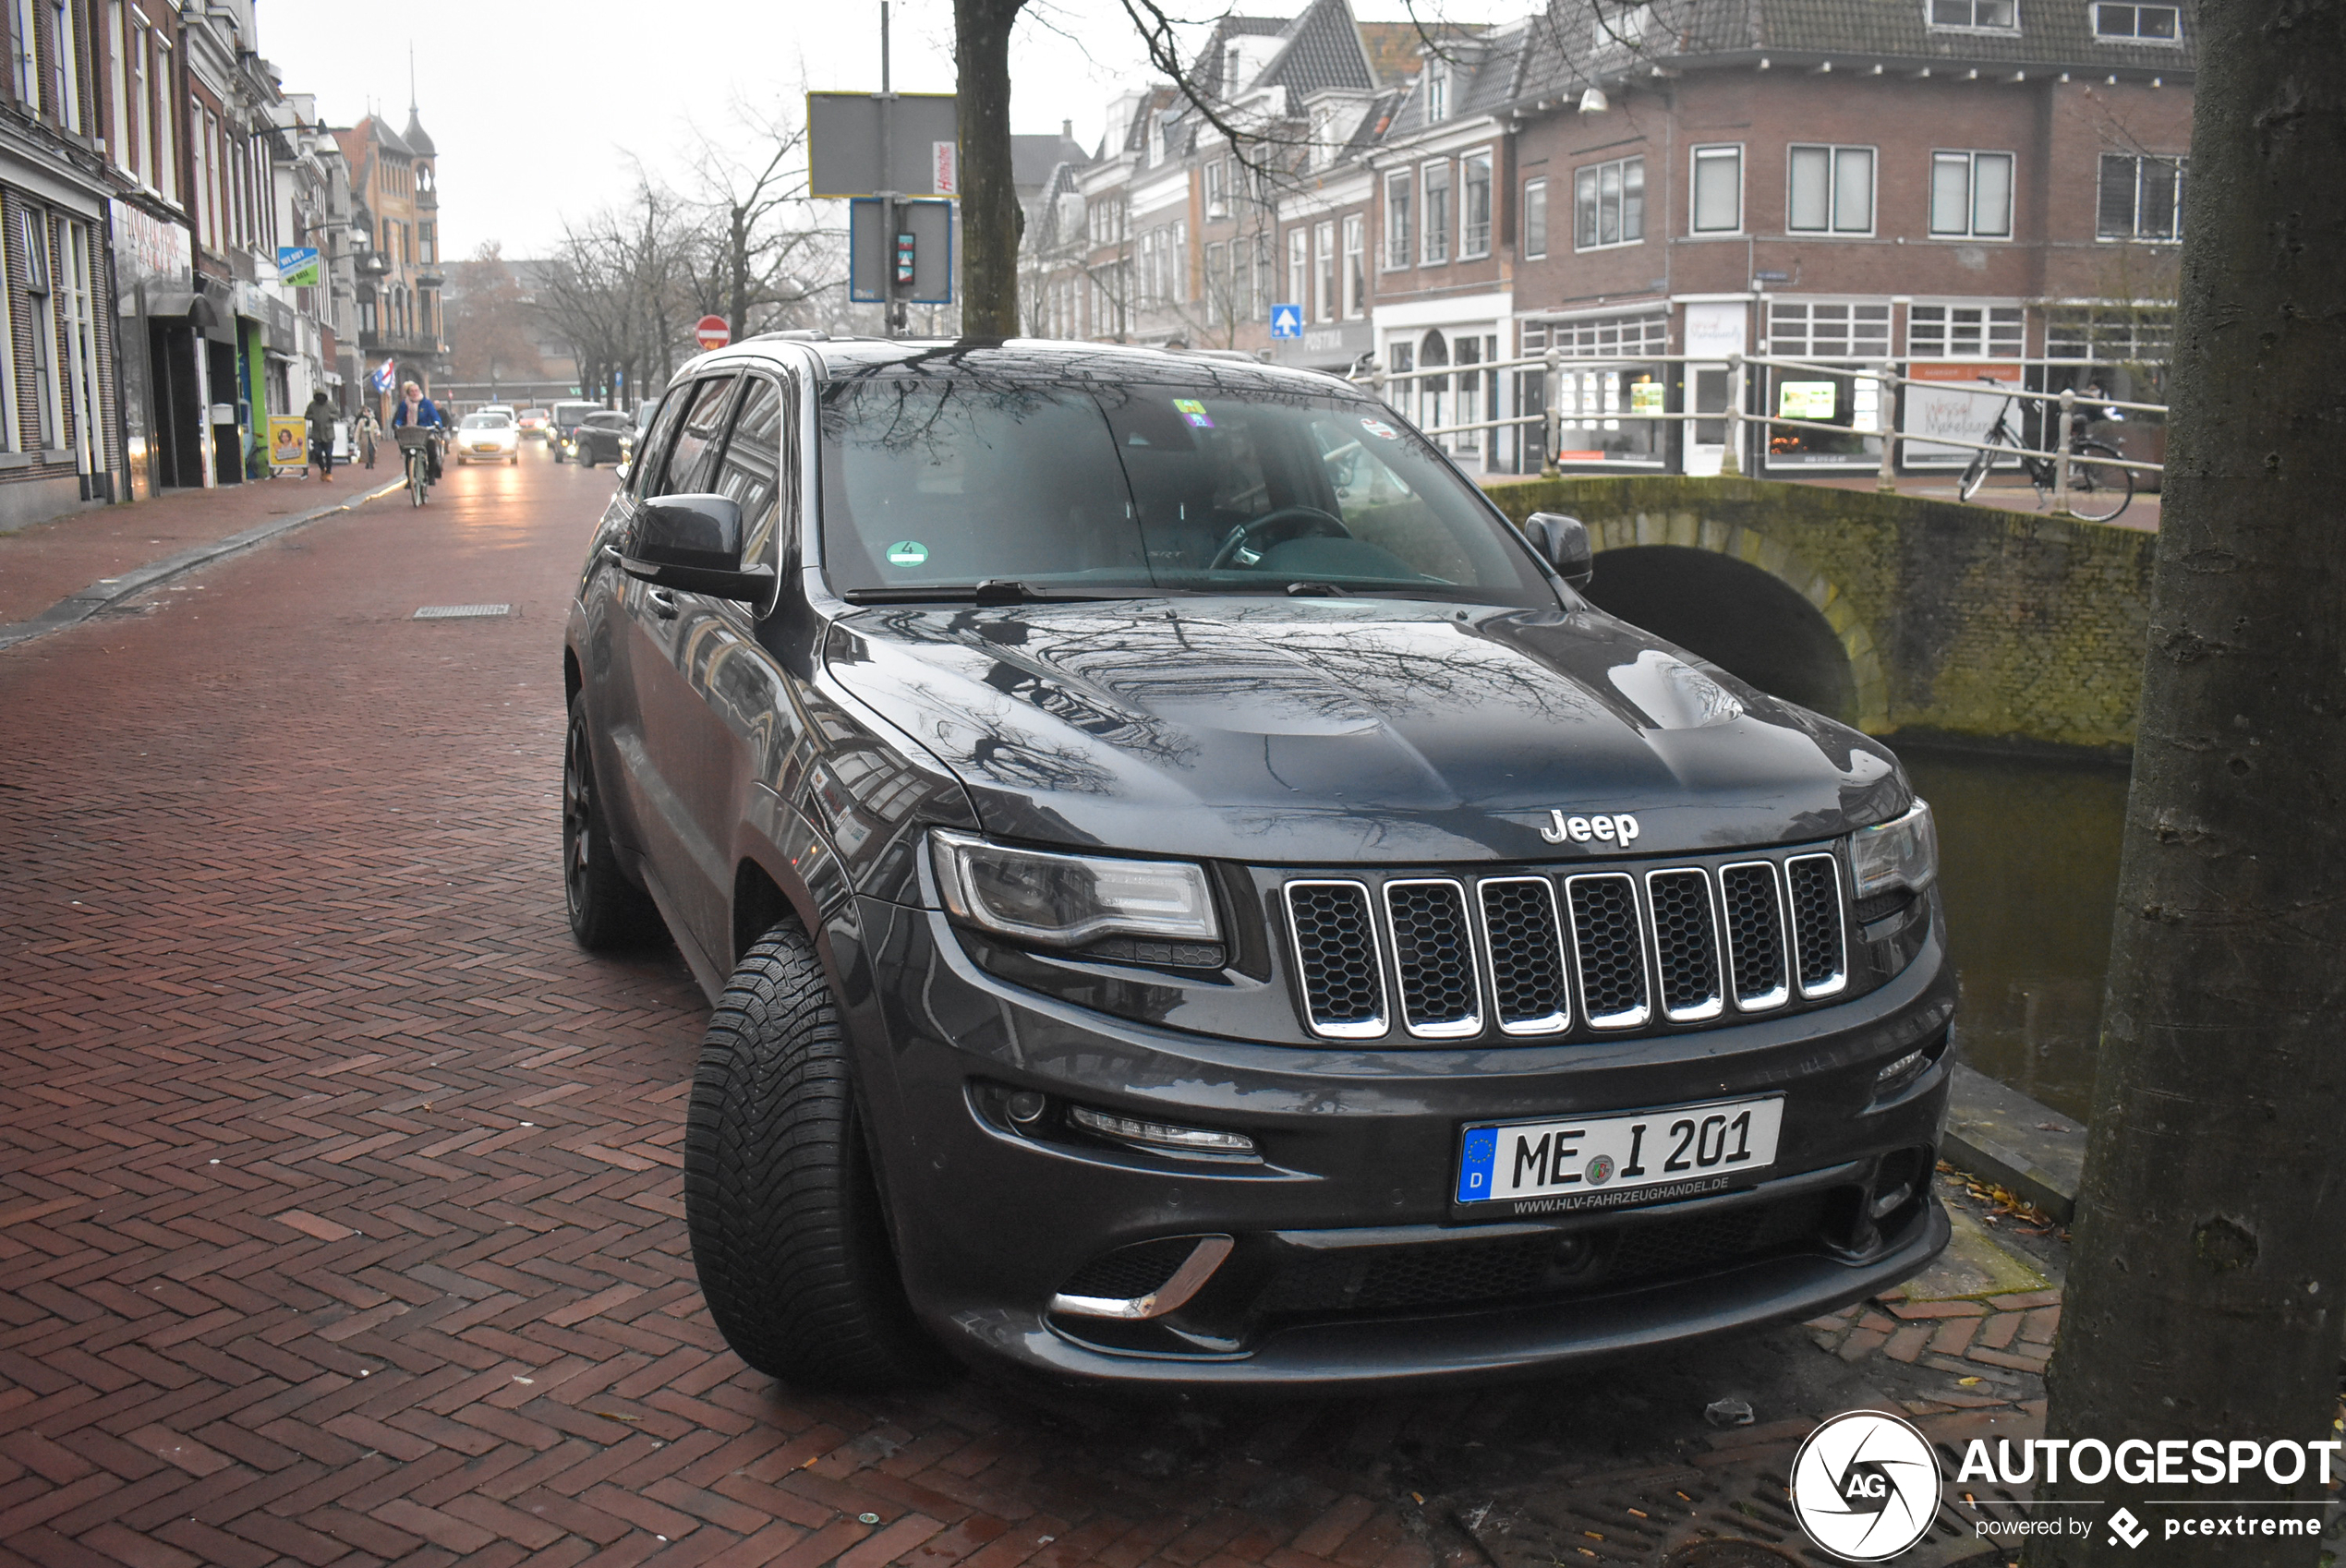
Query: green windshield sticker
(907, 552)
(1190, 408)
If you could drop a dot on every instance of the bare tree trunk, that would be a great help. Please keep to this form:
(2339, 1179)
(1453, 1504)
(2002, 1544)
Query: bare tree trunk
(991, 220)
(2205, 1297)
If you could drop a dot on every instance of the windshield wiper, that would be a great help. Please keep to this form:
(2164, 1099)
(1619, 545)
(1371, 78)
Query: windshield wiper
(992, 590)
(1316, 591)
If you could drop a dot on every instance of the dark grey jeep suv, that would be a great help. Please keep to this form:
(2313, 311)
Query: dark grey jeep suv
(1191, 896)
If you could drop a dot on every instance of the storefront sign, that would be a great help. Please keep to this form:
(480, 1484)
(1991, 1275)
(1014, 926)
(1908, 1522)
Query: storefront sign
(1715, 329)
(147, 250)
(288, 442)
(1805, 400)
(297, 266)
(1958, 398)
(1645, 397)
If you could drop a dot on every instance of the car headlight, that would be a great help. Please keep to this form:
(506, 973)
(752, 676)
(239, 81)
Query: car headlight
(1903, 853)
(1035, 896)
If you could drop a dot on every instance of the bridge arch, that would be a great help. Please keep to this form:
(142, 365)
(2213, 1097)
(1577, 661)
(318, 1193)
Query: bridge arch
(1743, 599)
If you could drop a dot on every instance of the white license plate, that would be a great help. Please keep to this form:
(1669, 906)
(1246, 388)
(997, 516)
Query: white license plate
(1612, 1162)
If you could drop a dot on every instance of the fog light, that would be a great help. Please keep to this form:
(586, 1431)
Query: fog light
(1163, 1137)
(1025, 1107)
(1900, 1071)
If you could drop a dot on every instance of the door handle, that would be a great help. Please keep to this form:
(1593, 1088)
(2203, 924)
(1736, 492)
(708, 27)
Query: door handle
(663, 603)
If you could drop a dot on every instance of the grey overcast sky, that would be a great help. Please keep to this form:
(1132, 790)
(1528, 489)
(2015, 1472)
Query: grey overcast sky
(534, 106)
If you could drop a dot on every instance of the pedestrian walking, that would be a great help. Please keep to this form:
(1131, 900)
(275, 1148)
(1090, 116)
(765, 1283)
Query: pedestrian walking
(368, 427)
(320, 415)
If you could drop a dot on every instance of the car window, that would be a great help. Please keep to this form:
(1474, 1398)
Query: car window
(691, 468)
(1220, 485)
(651, 452)
(753, 467)
(608, 421)
(486, 422)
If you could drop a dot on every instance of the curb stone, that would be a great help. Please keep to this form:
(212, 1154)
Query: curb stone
(107, 591)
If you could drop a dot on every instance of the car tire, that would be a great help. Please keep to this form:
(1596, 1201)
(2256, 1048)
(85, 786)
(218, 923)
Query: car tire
(608, 913)
(789, 1233)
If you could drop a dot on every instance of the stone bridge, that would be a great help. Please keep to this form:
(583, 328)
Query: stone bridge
(1889, 612)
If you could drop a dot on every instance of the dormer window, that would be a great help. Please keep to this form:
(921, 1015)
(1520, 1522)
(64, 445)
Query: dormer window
(1229, 70)
(1975, 16)
(1437, 90)
(2139, 24)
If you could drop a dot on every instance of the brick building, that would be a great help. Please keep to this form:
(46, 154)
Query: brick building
(394, 177)
(1953, 185)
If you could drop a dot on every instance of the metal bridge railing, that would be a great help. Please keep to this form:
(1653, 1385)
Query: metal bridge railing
(1882, 373)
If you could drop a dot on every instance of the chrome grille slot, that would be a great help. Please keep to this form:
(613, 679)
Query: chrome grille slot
(1433, 958)
(1337, 958)
(1527, 954)
(1754, 908)
(1611, 957)
(1817, 945)
(1686, 944)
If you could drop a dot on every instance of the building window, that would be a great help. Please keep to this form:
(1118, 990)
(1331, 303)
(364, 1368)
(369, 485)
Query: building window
(1399, 236)
(1437, 90)
(166, 124)
(1324, 270)
(1975, 16)
(1816, 330)
(34, 226)
(1437, 179)
(1609, 204)
(1356, 267)
(1299, 269)
(423, 234)
(22, 15)
(1475, 212)
(1971, 195)
(1831, 190)
(1535, 219)
(1718, 191)
(1964, 331)
(65, 80)
(1217, 261)
(118, 93)
(1217, 199)
(2142, 198)
(2141, 24)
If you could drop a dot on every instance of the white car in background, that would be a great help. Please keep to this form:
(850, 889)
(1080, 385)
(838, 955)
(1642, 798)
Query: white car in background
(489, 437)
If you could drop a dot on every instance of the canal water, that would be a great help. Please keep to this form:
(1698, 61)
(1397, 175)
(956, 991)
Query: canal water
(2028, 868)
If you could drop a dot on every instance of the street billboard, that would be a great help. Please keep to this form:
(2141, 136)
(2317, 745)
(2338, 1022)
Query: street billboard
(1952, 401)
(843, 144)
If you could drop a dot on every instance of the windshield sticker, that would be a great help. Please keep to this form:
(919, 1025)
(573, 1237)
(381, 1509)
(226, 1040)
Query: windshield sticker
(1194, 412)
(1379, 428)
(907, 552)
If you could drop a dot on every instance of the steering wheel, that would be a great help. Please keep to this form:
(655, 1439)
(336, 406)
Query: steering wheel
(1277, 528)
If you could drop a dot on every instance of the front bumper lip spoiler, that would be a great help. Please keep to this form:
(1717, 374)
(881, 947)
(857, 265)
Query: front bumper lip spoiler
(1467, 1347)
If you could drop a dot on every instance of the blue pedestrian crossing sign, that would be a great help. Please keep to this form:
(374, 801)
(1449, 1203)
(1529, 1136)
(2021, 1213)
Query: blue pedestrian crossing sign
(1287, 320)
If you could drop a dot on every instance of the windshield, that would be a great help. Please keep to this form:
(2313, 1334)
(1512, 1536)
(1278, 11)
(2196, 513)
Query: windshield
(533, 414)
(571, 413)
(487, 421)
(936, 484)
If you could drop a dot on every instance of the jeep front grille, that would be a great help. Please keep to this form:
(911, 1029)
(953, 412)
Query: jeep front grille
(1605, 950)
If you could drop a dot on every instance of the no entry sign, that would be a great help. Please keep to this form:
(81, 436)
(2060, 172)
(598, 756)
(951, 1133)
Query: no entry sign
(712, 332)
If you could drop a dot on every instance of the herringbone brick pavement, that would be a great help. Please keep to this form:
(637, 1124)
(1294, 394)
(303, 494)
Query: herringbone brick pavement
(340, 1213)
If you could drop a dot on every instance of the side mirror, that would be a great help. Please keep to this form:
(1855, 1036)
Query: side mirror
(623, 472)
(1565, 542)
(694, 543)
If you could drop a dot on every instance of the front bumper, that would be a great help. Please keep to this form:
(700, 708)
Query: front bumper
(1350, 1264)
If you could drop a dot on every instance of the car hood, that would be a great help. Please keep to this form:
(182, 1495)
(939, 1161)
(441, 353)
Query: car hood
(1328, 730)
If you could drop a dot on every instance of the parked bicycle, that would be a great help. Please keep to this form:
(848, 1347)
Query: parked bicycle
(415, 447)
(2098, 488)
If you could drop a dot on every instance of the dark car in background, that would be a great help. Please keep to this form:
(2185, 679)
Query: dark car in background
(605, 436)
(561, 420)
(1191, 896)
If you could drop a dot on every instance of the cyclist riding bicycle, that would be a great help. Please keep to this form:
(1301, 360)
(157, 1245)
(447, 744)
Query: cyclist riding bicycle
(416, 411)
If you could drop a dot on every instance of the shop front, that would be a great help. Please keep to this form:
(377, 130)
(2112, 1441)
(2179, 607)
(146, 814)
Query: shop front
(1842, 345)
(1607, 391)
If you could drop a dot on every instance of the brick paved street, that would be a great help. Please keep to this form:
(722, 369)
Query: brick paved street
(340, 1213)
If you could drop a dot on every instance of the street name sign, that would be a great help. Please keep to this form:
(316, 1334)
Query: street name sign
(844, 137)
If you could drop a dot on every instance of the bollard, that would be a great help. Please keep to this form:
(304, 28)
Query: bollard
(1885, 480)
(1730, 463)
(2061, 452)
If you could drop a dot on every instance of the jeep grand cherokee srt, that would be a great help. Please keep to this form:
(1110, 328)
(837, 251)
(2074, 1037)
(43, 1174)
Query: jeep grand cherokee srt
(1190, 894)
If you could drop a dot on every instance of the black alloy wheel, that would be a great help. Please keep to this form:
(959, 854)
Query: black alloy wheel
(2098, 489)
(790, 1233)
(607, 912)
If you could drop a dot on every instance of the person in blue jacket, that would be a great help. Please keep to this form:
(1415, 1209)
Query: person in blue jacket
(414, 409)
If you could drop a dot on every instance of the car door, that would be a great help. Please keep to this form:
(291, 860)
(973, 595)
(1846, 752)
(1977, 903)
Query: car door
(726, 717)
(668, 632)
